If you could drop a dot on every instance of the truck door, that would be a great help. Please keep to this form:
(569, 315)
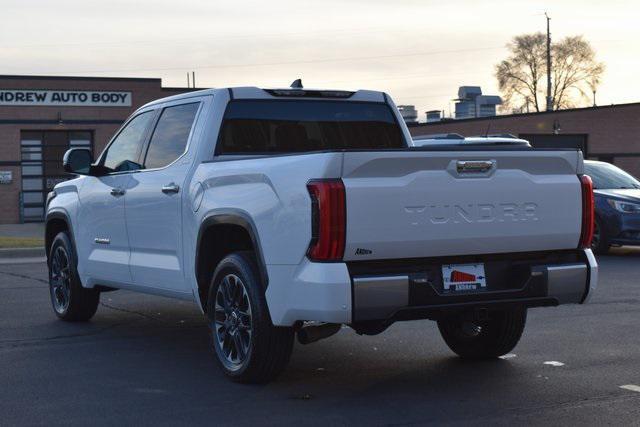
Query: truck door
(154, 202)
(103, 245)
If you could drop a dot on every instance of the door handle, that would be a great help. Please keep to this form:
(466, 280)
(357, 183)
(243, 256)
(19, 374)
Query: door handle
(170, 188)
(474, 166)
(117, 192)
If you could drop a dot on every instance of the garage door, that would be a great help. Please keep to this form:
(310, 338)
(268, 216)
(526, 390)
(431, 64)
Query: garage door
(42, 153)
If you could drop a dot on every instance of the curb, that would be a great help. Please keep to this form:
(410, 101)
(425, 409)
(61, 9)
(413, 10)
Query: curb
(22, 253)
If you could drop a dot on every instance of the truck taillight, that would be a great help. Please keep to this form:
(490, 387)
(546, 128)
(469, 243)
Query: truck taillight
(328, 220)
(587, 212)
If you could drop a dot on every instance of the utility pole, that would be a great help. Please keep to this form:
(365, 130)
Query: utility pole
(549, 100)
(193, 79)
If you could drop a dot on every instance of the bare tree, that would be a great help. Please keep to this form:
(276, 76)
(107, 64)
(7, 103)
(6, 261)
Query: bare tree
(576, 72)
(519, 76)
(522, 76)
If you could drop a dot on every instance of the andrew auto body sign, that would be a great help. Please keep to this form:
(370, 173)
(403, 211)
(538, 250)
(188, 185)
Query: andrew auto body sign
(64, 98)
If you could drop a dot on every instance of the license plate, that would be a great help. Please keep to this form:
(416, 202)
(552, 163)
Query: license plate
(464, 277)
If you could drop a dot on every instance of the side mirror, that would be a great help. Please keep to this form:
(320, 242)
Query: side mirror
(77, 161)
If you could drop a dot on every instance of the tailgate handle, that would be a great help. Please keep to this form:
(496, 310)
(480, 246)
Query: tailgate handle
(474, 166)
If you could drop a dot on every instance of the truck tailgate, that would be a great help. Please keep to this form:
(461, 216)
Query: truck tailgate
(411, 204)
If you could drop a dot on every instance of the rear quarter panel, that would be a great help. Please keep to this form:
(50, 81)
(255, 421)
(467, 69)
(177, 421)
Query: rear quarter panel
(272, 192)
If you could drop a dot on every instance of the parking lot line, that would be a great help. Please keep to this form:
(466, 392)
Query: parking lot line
(631, 387)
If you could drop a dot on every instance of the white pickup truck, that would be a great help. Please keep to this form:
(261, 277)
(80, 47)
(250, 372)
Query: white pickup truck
(295, 211)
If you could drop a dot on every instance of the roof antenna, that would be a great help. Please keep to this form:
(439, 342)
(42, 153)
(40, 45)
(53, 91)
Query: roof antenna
(297, 84)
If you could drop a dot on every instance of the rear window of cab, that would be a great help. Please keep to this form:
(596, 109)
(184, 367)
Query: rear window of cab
(281, 126)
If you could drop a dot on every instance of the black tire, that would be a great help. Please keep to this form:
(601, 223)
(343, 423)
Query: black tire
(70, 301)
(600, 244)
(490, 338)
(247, 346)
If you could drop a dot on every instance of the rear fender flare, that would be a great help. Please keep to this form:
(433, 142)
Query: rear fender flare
(238, 218)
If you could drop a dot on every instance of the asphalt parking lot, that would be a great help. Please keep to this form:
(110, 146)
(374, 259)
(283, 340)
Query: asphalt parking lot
(145, 359)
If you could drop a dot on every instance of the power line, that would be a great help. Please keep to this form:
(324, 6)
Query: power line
(424, 96)
(269, 64)
(422, 75)
(549, 100)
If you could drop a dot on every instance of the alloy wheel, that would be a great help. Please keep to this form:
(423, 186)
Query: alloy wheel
(60, 280)
(232, 322)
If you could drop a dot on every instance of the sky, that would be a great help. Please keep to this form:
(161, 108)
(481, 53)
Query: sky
(417, 51)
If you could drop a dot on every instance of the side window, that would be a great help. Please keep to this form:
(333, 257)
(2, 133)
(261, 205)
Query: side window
(170, 136)
(123, 153)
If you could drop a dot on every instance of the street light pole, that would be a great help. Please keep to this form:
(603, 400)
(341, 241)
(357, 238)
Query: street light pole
(549, 100)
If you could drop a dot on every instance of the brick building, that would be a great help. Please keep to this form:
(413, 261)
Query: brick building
(608, 133)
(41, 117)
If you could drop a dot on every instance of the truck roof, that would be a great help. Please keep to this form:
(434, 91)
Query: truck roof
(252, 92)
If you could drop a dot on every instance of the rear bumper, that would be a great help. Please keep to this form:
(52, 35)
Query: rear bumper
(392, 290)
(414, 295)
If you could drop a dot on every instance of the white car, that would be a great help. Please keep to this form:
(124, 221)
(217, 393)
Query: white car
(293, 211)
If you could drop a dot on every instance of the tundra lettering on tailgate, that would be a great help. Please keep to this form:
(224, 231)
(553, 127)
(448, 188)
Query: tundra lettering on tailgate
(471, 213)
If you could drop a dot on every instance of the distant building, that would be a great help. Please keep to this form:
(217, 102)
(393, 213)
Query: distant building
(409, 113)
(471, 103)
(434, 116)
